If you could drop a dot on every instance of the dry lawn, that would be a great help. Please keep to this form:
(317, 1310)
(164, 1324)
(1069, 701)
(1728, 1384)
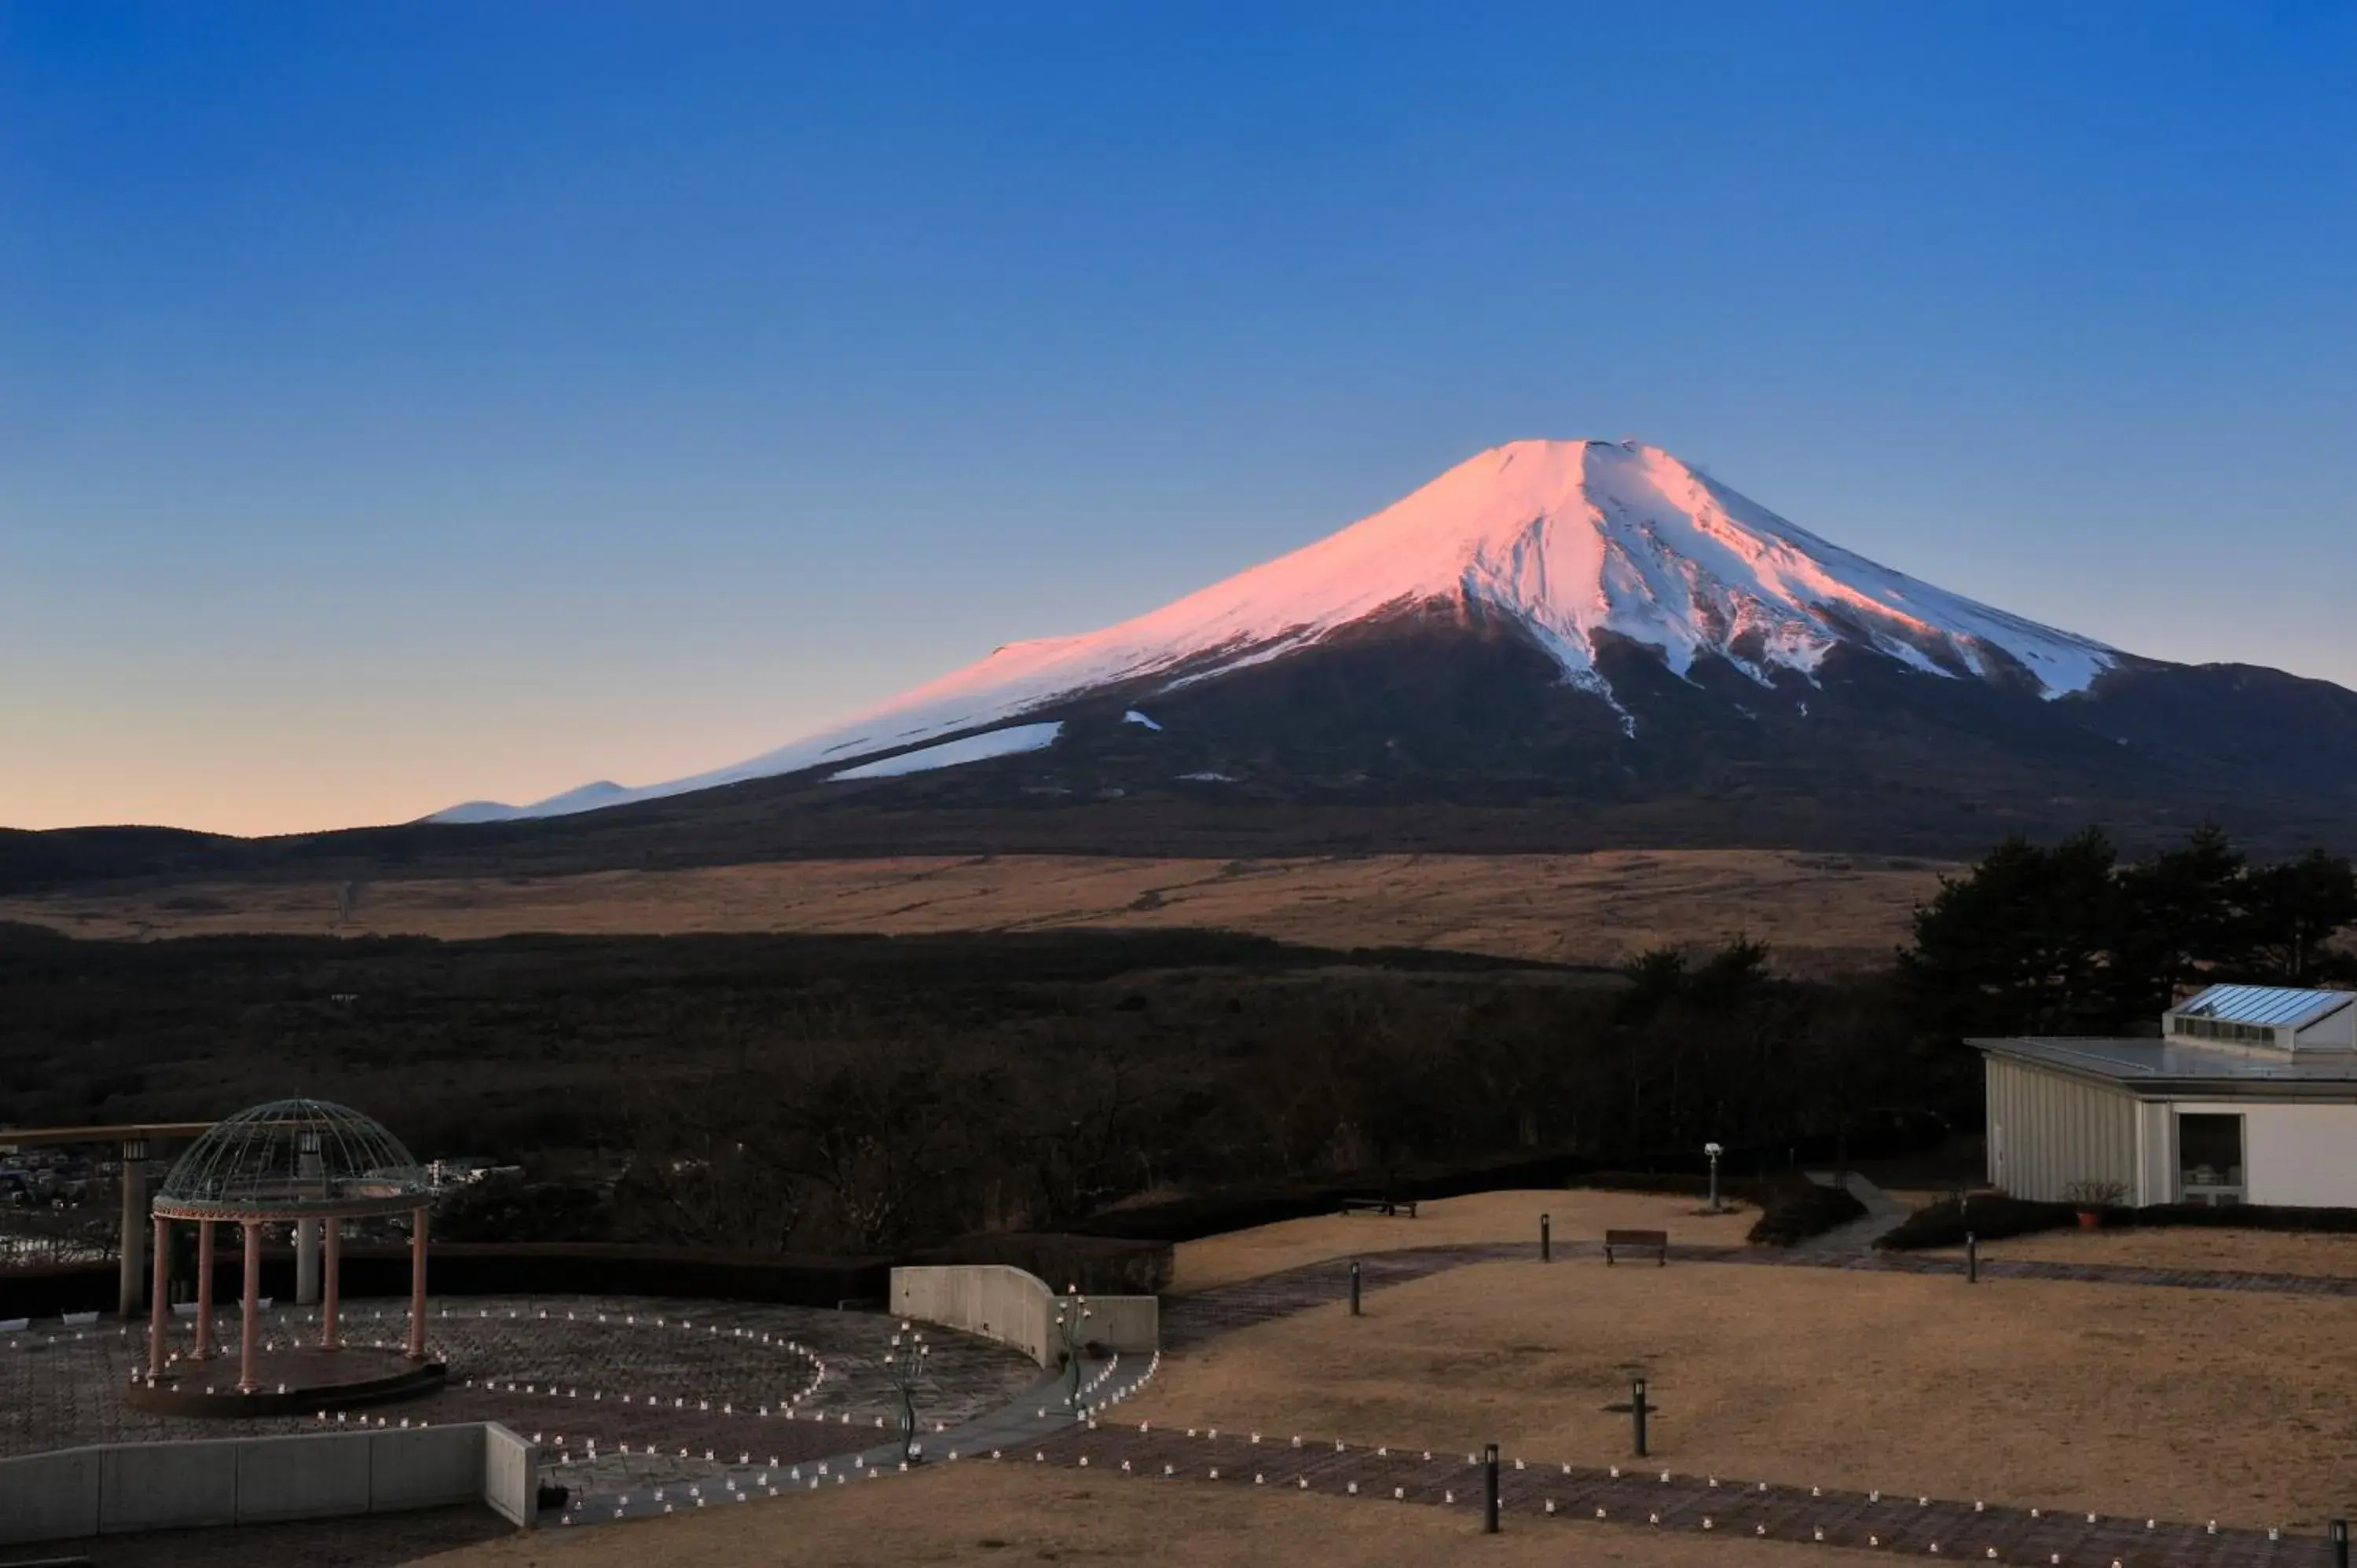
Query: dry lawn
(2124, 1399)
(1483, 1217)
(1819, 912)
(1006, 1515)
(2241, 1252)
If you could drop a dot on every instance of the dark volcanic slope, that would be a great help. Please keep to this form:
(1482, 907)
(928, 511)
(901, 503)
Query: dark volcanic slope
(1450, 733)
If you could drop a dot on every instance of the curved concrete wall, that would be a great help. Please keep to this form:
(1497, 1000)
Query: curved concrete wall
(1004, 1302)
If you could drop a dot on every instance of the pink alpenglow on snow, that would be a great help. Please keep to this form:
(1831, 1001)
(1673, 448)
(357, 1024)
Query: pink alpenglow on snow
(1571, 538)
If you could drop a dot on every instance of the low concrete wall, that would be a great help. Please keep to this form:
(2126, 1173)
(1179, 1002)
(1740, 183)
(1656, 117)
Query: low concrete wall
(511, 1476)
(120, 1488)
(424, 1467)
(50, 1496)
(1004, 1302)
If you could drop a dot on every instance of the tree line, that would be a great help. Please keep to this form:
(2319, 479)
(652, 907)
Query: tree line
(2071, 940)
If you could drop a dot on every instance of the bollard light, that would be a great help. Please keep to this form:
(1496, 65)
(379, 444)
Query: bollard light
(1712, 1150)
(1490, 1489)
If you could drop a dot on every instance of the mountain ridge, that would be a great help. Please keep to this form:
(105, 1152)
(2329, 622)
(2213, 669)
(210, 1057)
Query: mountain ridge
(1574, 540)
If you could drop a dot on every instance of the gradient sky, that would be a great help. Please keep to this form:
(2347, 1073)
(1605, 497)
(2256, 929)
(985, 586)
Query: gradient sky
(406, 403)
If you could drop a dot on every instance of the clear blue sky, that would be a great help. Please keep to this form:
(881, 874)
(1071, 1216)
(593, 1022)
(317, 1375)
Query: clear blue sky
(403, 403)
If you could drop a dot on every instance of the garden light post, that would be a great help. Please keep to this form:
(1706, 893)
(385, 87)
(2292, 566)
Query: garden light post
(1637, 1410)
(2337, 1533)
(1071, 1314)
(1547, 1242)
(1971, 1259)
(1490, 1490)
(1712, 1152)
(1354, 1287)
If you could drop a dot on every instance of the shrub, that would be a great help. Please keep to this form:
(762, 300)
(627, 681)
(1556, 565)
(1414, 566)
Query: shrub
(1794, 1211)
(1987, 1215)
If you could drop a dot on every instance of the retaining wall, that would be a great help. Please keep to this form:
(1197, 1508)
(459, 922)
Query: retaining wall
(1000, 1301)
(119, 1487)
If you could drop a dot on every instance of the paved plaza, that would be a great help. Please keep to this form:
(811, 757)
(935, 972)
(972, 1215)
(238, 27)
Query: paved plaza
(619, 1392)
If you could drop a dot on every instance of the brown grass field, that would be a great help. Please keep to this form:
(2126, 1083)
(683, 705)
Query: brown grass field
(2124, 1399)
(1819, 912)
(981, 1513)
(1483, 1217)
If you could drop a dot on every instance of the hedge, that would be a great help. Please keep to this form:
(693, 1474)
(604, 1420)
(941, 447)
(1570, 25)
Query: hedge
(1992, 1216)
(1796, 1210)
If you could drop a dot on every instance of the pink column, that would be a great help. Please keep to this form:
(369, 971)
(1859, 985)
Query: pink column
(204, 1350)
(417, 1286)
(330, 1337)
(158, 1287)
(246, 1381)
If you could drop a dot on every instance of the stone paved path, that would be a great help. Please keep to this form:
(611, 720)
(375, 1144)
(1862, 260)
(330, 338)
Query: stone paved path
(1189, 1320)
(619, 1391)
(1562, 1495)
(1883, 1214)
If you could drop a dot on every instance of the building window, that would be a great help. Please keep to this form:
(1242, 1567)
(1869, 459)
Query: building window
(2209, 1158)
(2219, 1029)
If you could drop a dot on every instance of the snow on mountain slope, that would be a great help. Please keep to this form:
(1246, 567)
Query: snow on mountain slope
(1572, 539)
(1008, 742)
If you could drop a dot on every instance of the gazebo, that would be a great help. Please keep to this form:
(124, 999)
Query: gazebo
(290, 1162)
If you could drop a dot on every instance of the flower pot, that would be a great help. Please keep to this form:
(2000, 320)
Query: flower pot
(2091, 1219)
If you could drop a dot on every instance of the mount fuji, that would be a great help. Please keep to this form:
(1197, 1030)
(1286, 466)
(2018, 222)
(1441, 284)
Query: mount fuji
(1571, 543)
(1555, 643)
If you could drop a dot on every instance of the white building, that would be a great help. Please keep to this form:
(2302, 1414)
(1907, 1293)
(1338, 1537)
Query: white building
(2249, 1096)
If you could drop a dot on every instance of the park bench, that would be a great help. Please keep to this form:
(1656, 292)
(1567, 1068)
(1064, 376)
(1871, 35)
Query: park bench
(1383, 1205)
(1654, 1241)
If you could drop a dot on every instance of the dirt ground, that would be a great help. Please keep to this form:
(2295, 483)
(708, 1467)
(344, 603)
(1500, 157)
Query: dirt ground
(981, 1513)
(1819, 913)
(2124, 1399)
(1483, 1217)
(2251, 1252)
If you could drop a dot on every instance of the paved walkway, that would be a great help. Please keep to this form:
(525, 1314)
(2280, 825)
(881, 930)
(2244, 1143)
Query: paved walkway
(1883, 1214)
(1553, 1495)
(1189, 1320)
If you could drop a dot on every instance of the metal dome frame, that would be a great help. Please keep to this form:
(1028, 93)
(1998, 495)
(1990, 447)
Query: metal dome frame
(310, 1163)
(251, 1166)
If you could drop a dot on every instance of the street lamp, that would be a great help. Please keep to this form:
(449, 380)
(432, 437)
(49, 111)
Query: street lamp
(1713, 1151)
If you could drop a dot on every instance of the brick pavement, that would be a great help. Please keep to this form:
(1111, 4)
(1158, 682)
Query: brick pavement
(619, 1391)
(1553, 1495)
(1189, 1320)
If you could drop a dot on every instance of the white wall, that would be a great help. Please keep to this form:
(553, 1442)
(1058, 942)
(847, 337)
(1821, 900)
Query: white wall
(2299, 1155)
(1000, 1301)
(511, 1476)
(2048, 1131)
(2336, 1031)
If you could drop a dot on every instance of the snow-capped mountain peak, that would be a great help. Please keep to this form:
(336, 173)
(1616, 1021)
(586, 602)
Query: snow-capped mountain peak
(1574, 540)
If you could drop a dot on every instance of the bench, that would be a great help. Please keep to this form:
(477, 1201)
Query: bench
(1390, 1208)
(1654, 1241)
